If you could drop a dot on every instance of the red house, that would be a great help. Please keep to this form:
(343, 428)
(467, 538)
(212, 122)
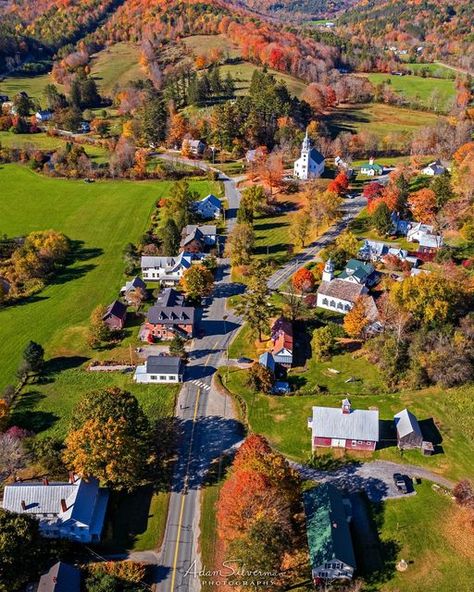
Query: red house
(169, 317)
(115, 316)
(353, 429)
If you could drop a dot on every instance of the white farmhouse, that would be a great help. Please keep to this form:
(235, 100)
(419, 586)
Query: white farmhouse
(433, 169)
(168, 270)
(310, 165)
(73, 511)
(156, 369)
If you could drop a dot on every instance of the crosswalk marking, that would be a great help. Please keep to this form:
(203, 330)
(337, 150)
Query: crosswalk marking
(201, 384)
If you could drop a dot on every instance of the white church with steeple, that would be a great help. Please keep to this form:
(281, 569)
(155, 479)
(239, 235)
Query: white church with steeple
(310, 165)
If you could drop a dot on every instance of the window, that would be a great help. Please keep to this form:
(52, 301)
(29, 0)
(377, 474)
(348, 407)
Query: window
(332, 304)
(325, 301)
(339, 305)
(359, 441)
(153, 377)
(162, 377)
(353, 443)
(347, 307)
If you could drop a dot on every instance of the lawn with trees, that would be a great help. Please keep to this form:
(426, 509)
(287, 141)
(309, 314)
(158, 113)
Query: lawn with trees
(99, 219)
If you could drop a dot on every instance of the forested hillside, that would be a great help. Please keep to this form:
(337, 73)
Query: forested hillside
(443, 30)
(317, 9)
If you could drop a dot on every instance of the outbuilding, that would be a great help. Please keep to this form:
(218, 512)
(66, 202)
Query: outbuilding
(408, 430)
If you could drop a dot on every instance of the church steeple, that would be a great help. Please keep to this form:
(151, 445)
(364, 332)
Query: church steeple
(328, 273)
(306, 146)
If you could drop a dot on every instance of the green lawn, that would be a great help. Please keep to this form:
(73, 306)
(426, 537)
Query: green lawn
(44, 142)
(33, 85)
(436, 70)
(102, 217)
(242, 74)
(116, 65)
(419, 529)
(283, 419)
(205, 43)
(418, 88)
(379, 119)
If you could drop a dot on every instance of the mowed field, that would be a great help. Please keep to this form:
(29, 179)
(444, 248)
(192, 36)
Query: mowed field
(378, 118)
(418, 88)
(102, 217)
(116, 65)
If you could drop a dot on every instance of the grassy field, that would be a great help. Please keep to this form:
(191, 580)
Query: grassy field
(116, 65)
(436, 70)
(44, 142)
(418, 88)
(283, 419)
(428, 532)
(33, 85)
(206, 43)
(378, 118)
(102, 217)
(242, 74)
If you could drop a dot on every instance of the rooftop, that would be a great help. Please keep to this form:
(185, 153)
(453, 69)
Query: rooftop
(359, 424)
(163, 364)
(406, 423)
(341, 289)
(327, 529)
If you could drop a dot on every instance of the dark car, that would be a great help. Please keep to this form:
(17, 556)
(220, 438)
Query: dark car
(400, 482)
(244, 361)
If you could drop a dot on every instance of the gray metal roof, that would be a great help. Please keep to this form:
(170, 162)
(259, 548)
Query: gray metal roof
(80, 497)
(359, 424)
(62, 577)
(169, 297)
(406, 423)
(170, 315)
(163, 364)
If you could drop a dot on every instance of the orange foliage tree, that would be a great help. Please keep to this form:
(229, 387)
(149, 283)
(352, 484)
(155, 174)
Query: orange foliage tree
(303, 280)
(422, 204)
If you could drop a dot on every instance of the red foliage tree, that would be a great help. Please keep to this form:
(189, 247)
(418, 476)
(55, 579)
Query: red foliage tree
(303, 280)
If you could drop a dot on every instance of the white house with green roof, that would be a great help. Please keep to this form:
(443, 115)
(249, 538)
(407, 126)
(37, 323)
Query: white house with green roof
(329, 539)
(371, 169)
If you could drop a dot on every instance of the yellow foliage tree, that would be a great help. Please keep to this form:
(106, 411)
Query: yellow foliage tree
(356, 320)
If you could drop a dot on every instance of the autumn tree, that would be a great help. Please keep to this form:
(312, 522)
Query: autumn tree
(323, 343)
(324, 206)
(197, 282)
(348, 244)
(109, 439)
(260, 378)
(356, 320)
(253, 198)
(239, 244)
(300, 227)
(464, 493)
(99, 332)
(303, 280)
(340, 184)
(422, 204)
(270, 170)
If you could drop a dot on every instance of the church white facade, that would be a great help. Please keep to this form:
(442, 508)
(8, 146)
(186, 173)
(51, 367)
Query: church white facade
(310, 165)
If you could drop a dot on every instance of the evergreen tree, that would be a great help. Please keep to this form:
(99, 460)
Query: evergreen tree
(170, 238)
(154, 119)
(34, 356)
(382, 220)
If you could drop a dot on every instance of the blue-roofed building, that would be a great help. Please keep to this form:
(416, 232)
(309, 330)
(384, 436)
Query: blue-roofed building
(73, 511)
(329, 539)
(209, 207)
(267, 361)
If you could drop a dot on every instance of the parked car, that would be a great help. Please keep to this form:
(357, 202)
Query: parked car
(244, 361)
(400, 482)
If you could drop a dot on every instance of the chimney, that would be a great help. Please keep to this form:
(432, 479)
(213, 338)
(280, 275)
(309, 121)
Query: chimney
(71, 478)
(63, 505)
(45, 481)
(23, 505)
(346, 407)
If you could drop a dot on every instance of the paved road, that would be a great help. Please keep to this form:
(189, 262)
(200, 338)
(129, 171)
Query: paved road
(375, 477)
(350, 210)
(209, 427)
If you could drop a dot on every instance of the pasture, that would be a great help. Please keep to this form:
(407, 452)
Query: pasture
(422, 90)
(116, 65)
(101, 218)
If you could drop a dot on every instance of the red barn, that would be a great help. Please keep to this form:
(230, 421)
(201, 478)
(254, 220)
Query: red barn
(115, 316)
(344, 427)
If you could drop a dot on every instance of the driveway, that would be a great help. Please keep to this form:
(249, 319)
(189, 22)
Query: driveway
(375, 478)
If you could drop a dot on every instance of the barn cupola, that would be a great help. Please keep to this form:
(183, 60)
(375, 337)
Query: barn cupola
(346, 407)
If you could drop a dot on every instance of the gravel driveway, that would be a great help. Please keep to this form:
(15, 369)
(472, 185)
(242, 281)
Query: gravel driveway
(375, 478)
